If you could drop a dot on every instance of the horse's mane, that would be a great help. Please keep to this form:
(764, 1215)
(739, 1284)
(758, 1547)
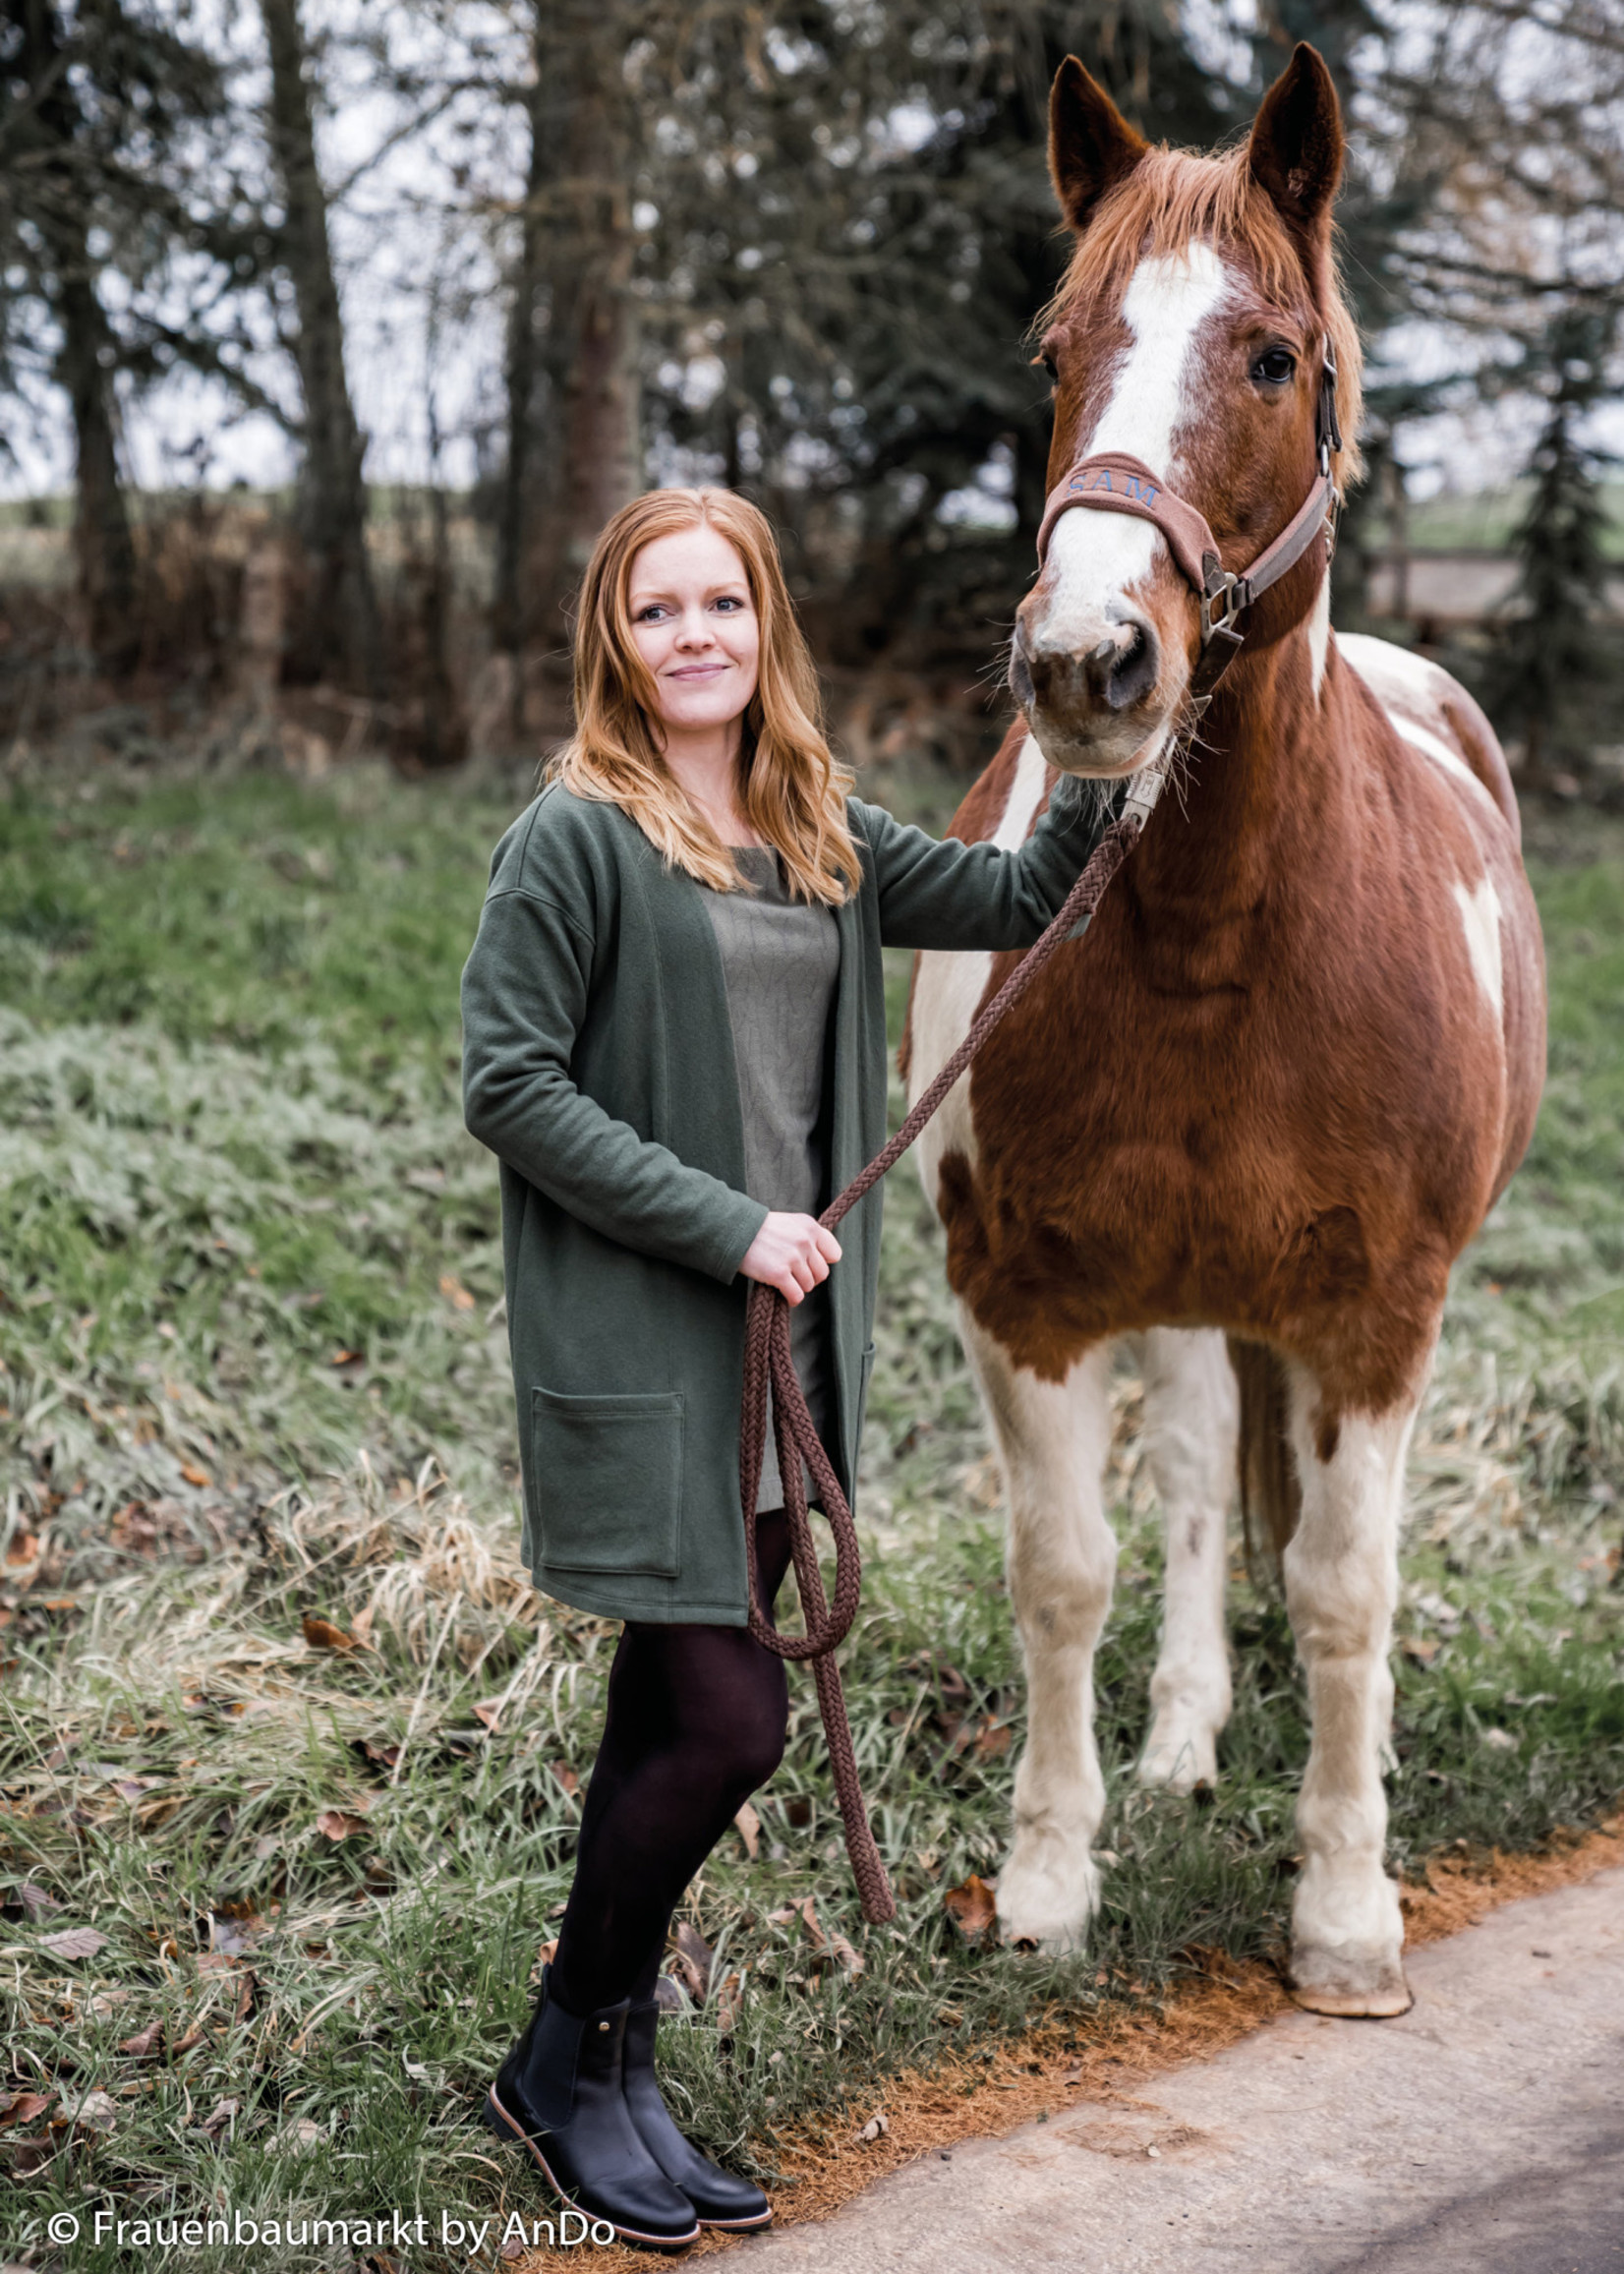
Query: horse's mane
(1174, 199)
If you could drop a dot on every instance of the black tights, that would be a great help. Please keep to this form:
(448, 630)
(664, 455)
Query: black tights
(696, 1724)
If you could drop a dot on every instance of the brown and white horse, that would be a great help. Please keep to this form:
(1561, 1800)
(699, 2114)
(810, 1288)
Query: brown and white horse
(1275, 1090)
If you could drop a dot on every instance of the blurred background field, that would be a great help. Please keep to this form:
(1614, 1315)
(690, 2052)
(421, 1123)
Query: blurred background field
(329, 335)
(291, 1753)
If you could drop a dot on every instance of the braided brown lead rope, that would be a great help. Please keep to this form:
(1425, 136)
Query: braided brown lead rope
(767, 1359)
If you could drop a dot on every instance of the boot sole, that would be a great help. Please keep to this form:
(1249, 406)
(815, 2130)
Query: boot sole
(506, 2128)
(739, 2225)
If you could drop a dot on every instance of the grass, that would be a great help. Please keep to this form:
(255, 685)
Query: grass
(252, 1373)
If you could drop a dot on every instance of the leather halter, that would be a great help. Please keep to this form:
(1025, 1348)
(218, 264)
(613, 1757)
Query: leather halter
(1113, 482)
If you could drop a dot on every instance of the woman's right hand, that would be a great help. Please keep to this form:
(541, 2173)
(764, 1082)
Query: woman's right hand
(792, 1253)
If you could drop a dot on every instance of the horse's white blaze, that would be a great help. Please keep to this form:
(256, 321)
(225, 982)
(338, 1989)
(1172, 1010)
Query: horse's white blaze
(1341, 1573)
(1062, 1558)
(1481, 921)
(1319, 632)
(950, 990)
(1192, 1420)
(1096, 558)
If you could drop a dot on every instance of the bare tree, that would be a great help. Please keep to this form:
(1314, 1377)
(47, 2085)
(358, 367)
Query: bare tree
(572, 367)
(339, 623)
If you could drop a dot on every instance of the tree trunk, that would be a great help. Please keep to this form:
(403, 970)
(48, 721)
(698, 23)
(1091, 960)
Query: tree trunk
(574, 424)
(103, 547)
(338, 626)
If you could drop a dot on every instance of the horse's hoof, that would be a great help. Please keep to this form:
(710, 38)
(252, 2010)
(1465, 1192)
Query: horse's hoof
(1355, 1985)
(1048, 1901)
(1178, 1764)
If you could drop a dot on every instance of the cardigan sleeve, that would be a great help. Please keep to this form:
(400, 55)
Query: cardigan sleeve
(939, 893)
(524, 995)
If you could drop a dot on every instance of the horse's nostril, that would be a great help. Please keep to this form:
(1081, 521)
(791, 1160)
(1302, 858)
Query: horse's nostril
(1133, 673)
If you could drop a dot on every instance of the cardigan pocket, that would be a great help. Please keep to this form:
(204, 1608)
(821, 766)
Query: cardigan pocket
(608, 1475)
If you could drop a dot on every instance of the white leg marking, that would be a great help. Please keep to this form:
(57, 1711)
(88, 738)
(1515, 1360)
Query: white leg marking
(1191, 1423)
(1062, 1559)
(950, 987)
(1319, 632)
(1094, 559)
(1341, 1572)
(1480, 922)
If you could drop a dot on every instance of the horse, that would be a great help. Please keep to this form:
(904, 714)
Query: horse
(1255, 1115)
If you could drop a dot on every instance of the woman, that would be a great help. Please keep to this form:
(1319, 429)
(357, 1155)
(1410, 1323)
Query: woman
(676, 1043)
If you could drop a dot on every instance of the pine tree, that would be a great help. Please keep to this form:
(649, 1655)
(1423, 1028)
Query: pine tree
(1557, 658)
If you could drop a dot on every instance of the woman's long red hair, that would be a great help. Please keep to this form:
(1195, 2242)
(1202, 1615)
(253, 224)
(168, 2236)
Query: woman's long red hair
(790, 789)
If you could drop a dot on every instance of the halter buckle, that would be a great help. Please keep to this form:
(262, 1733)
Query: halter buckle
(1221, 602)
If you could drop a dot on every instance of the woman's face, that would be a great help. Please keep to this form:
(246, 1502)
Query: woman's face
(695, 626)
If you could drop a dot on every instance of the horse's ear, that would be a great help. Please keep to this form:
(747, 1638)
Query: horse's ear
(1091, 146)
(1295, 153)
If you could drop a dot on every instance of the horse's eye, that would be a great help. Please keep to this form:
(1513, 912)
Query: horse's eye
(1274, 367)
(1048, 363)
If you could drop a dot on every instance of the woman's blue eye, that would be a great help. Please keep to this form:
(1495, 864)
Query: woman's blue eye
(1274, 367)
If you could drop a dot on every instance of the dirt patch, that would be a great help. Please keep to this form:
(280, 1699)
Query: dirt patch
(1033, 2078)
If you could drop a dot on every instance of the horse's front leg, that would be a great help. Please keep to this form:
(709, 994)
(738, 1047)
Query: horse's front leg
(1062, 1559)
(1191, 1423)
(1341, 1573)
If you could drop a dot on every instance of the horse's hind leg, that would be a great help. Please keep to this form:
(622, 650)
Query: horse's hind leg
(1190, 1422)
(1341, 1574)
(1062, 1558)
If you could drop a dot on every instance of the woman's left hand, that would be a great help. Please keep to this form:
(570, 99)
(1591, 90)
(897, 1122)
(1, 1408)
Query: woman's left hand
(792, 1253)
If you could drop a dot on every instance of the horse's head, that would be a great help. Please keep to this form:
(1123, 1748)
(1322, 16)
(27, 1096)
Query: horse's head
(1188, 335)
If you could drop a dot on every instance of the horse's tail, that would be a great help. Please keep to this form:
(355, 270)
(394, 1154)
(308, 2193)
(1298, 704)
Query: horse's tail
(1271, 1493)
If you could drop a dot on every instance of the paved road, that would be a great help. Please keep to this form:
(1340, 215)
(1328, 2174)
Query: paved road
(1480, 2133)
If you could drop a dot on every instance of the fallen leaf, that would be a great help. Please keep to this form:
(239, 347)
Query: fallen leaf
(234, 1936)
(832, 1944)
(194, 1475)
(322, 1635)
(299, 2132)
(194, 2036)
(335, 1825)
(994, 1741)
(670, 1995)
(348, 1358)
(34, 1900)
(748, 1826)
(96, 2111)
(219, 2117)
(489, 1712)
(694, 1958)
(24, 1548)
(1420, 1648)
(144, 2041)
(23, 2107)
(74, 1943)
(454, 1291)
(566, 1777)
(876, 2128)
(729, 2001)
(971, 1908)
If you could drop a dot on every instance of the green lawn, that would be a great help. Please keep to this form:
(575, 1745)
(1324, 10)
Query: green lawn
(253, 1372)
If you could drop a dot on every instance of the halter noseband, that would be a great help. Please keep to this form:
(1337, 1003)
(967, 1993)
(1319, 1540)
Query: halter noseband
(1113, 482)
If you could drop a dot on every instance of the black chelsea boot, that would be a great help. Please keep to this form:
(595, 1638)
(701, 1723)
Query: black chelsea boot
(559, 2095)
(719, 2198)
